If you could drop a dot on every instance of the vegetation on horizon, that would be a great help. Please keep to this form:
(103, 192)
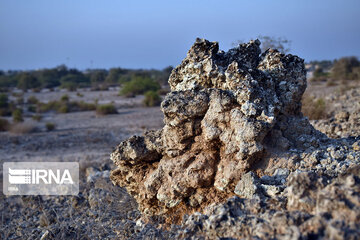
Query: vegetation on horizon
(343, 69)
(71, 78)
(139, 85)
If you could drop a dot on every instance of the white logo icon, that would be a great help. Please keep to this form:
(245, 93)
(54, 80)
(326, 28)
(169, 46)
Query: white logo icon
(19, 176)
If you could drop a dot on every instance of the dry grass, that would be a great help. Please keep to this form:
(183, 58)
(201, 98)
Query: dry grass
(313, 108)
(22, 128)
(106, 109)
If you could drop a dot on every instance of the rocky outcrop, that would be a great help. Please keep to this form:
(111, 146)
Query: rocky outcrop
(233, 126)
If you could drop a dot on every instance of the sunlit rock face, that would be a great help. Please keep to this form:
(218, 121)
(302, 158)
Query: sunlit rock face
(229, 113)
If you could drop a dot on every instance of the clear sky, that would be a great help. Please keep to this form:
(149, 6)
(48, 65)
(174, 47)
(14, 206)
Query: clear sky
(155, 34)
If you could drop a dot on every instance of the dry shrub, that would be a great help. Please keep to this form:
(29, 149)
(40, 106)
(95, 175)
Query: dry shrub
(4, 124)
(314, 108)
(331, 82)
(22, 128)
(106, 109)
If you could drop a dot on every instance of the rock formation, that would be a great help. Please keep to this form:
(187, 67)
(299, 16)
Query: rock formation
(233, 126)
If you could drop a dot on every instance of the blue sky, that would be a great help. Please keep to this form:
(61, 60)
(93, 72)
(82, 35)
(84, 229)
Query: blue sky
(155, 34)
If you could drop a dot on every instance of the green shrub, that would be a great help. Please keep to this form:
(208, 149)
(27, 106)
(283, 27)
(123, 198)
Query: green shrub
(138, 85)
(32, 100)
(4, 125)
(63, 108)
(37, 117)
(31, 108)
(50, 106)
(106, 109)
(71, 86)
(17, 115)
(152, 99)
(320, 76)
(64, 98)
(27, 81)
(82, 106)
(50, 126)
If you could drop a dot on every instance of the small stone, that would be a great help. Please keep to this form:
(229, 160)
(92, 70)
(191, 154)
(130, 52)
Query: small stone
(248, 186)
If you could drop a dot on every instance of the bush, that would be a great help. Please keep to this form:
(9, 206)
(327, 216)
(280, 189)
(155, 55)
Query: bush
(4, 125)
(138, 85)
(82, 106)
(346, 68)
(106, 109)
(32, 100)
(74, 80)
(152, 99)
(63, 108)
(313, 108)
(319, 75)
(64, 98)
(27, 81)
(50, 106)
(71, 86)
(37, 117)
(32, 108)
(50, 126)
(22, 128)
(17, 115)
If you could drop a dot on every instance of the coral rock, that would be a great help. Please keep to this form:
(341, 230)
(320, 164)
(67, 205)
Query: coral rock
(228, 113)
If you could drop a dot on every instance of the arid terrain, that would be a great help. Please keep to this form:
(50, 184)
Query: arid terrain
(102, 210)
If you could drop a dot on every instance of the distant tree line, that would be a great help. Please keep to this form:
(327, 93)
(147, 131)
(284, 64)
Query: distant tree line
(72, 79)
(343, 69)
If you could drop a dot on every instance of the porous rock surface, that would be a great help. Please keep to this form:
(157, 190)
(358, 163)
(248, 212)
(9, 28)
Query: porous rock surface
(236, 148)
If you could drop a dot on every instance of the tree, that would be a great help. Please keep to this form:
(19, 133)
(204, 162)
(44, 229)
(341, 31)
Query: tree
(139, 85)
(97, 77)
(27, 81)
(279, 43)
(114, 75)
(74, 80)
(17, 115)
(49, 78)
(346, 68)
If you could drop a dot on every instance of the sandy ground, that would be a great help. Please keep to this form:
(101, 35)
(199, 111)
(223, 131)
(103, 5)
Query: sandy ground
(79, 136)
